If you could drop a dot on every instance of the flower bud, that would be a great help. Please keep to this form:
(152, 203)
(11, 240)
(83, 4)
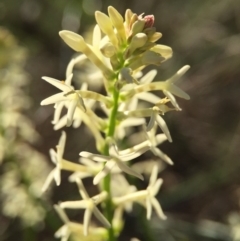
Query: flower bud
(108, 50)
(137, 41)
(117, 21)
(149, 21)
(73, 40)
(105, 24)
(77, 42)
(138, 26)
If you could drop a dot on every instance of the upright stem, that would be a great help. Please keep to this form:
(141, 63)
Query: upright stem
(107, 180)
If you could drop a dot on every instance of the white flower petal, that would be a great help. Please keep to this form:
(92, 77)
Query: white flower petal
(68, 81)
(134, 154)
(178, 92)
(71, 109)
(156, 186)
(149, 208)
(53, 156)
(82, 204)
(48, 180)
(148, 78)
(162, 124)
(95, 157)
(179, 73)
(149, 97)
(101, 218)
(61, 214)
(153, 176)
(152, 121)
(62, 142)
(104, 172)
(128, 170)
(61, 123)
(57, 175)
(86, 221)
(162, 155)
(54, 99)
(60, 85)
(158, 208)
(172, 99)
(82, 189)
(57, 113)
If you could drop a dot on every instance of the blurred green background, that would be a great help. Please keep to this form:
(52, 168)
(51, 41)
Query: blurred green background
(201, 191)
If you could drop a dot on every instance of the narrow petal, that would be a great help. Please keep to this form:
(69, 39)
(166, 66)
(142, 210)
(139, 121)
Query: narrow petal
(101, 218)
(172, 99)
(95, 157)
(57, 113)
(156, 186)
(148, 78)
(72, 63)
(63, 233)
(162, 155)
(59, 84)
(160, 138)
(113, 150)
(62, 141)
(158, 208)
(78, 175)
(86, 221)
(162, 124)
(133, 122)
(152, 121)
(53, 156)
(179, 74)
(107, 168)
(48, 180)
(61, 123)
(149, 208)
(178, 92)
(135, 154)
(71, 110)
(54, 99)
(149, 97)
(128, 170)
(57, 176)
(82, 189)
(74, 204)
(153, 176)
(63, 216)
(68, 81)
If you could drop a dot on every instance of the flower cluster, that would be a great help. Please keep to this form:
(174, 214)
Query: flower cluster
(121, 48)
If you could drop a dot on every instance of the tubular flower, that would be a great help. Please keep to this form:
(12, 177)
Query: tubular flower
(121, 47)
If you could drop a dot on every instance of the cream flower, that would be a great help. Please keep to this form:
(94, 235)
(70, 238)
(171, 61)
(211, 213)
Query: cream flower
(113, 159)
(61, 164)
(89, 204)
(68, 96)
(145, 197)
(154, 114)
(167, 86)
(76, 229)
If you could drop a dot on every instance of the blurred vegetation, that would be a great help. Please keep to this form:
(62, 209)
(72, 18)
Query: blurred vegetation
(201, 191)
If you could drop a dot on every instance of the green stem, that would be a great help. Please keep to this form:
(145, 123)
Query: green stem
(107, 180)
